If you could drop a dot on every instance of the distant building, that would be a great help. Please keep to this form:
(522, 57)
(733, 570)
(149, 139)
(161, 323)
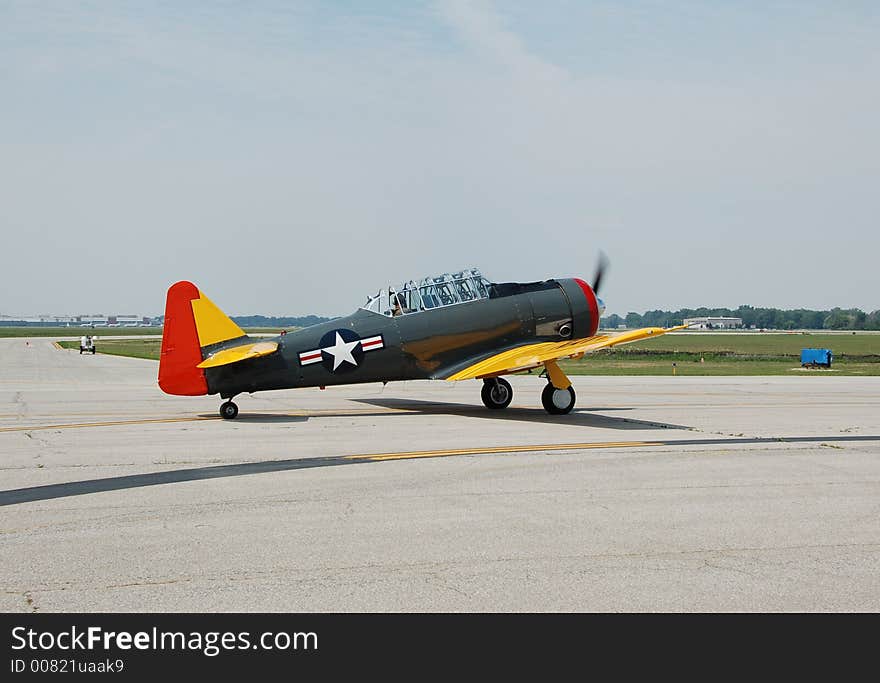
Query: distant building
(126, 320)
(710, 323)
(90, 320)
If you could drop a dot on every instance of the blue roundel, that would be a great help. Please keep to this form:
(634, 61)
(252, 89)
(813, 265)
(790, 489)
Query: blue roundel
(341, 350)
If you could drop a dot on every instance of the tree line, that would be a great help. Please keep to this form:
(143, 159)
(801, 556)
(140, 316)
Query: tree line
(278, 321)
(761, 318)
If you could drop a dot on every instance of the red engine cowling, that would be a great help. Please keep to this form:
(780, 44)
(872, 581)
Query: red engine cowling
(585, 306)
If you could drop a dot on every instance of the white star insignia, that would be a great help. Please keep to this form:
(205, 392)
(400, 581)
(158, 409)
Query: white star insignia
(341, 351)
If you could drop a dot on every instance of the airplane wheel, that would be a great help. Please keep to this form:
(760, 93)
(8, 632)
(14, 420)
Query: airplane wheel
(228, 411)
(497, 393)
(558, 401)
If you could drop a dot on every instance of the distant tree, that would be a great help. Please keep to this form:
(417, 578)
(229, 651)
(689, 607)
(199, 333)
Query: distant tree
(633, 319)
(660, 318)
(747, 313)
(764, 318)
(278, 321)
(612, 321)
(837, 319)
(814, 320)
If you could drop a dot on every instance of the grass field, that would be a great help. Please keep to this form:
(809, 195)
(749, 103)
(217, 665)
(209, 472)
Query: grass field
(605, 364)
(700, 353)
(773, 344)
(134, 348)
(693, 354)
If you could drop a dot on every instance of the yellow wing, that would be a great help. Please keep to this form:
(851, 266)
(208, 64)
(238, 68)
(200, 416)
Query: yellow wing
(533, 355)
(239, 353)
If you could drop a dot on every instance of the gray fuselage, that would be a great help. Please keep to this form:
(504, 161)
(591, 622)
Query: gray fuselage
(426, 344)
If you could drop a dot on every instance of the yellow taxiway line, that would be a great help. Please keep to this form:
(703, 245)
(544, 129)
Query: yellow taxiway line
(407, 455)
(329, 412)
(112, 423)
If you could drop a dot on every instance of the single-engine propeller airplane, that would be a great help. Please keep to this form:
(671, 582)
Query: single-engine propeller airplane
(452, 327)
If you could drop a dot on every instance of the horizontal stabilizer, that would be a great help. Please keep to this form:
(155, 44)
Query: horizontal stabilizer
(238, 354)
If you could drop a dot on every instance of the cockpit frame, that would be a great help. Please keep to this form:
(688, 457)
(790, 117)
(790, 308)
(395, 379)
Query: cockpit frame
(429, 293)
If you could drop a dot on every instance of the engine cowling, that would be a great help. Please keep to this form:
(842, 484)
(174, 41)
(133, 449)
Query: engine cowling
(586, 307)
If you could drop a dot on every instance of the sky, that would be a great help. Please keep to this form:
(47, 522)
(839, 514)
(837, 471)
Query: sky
(291, 158)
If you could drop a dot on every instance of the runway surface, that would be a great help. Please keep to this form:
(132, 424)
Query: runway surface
(658, 493)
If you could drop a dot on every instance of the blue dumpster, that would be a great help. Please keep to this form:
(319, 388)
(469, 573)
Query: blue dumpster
(816, 358)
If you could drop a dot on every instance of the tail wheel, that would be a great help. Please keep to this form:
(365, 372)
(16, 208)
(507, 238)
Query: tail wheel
(558, 401)
(497, 393)
(228, 410)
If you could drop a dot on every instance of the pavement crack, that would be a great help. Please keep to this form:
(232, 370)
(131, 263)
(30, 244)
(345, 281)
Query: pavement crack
(438, 580)
(19, 403)
(157, 582)
(726, 568)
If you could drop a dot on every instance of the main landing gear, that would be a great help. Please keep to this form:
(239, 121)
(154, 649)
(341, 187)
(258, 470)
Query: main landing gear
(558, 397)
(228, 410)
(497, 393)
(558, 401)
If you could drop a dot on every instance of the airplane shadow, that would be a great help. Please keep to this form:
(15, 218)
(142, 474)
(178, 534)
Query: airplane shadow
(133, 481)
(582, 417)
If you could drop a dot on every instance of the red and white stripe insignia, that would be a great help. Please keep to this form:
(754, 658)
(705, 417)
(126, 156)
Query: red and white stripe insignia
(372, 343)
(309, 357)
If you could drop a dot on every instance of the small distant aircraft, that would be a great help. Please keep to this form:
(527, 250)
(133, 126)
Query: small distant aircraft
(453, 327)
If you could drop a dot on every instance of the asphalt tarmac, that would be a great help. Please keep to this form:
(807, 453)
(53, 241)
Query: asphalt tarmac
(656, 494)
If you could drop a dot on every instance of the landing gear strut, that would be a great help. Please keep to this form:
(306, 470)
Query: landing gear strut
(497, 393)
(228, 410)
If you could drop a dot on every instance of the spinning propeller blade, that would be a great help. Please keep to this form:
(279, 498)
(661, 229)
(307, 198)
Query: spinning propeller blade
(600, 271)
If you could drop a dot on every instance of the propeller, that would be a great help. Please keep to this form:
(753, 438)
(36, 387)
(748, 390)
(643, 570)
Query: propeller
(601, 267)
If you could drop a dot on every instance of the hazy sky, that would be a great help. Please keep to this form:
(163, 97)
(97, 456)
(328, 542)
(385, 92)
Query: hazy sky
(293, 157)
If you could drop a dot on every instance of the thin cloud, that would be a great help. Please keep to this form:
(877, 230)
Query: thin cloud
(293, 158)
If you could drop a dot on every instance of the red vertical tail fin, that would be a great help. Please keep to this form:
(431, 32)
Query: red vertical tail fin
(181, 351)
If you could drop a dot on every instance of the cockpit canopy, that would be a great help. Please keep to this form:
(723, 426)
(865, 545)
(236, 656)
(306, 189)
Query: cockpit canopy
(431, 292)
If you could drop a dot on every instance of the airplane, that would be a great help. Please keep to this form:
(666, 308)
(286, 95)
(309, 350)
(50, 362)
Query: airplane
(454, 327)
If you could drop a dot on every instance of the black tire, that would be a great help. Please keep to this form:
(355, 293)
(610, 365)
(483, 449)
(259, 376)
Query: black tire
(94, 350)
(558, 401)
(497, 393)
(80, 350)
(228, 410)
